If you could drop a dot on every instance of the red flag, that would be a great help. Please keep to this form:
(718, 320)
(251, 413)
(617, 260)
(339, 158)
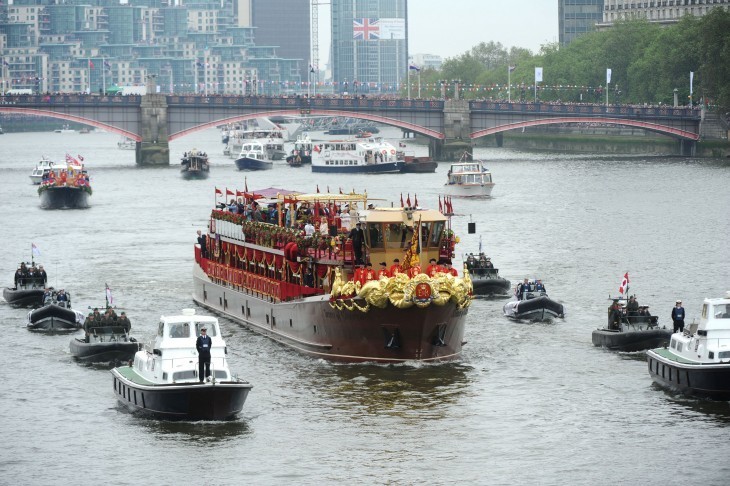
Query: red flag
(624, 288)
(229, 192)
(401, 199)
(91, 64)
(408, 200)
(415, 197)
(441, 209)
(239, 193)
(218, 192)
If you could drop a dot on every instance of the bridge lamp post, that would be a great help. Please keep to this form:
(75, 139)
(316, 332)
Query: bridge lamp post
(457, 82)
(676, 97)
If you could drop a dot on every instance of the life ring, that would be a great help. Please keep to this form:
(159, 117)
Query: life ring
(384, 151)
(392, 151)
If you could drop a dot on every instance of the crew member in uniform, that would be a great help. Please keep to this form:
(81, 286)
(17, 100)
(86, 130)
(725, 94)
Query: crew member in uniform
(433, 268)
(357, 235)
(383, 271)
(203, 344)
(678, 316)
(395, 268)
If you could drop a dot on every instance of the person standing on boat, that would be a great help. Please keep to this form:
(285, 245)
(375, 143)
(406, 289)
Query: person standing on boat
(357, 235)
(42, 276)
(433, 268)
(203, 344)
(395, 268)
(203, 244)
(383, 271)
(678, 316)
(539, 287)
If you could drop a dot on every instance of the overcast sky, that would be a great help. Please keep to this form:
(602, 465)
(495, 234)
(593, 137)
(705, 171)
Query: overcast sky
(448, 28)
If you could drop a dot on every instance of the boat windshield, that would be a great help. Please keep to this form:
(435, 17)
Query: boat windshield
(722, 311)
(210, 329)
(179, 330)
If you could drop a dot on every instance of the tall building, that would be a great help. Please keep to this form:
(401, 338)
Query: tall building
(663, 12)
(369, 45)
(286, 24)
(576, 17)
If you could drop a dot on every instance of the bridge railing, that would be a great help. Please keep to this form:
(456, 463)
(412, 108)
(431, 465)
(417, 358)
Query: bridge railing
(303, 103)
(68, 100)
(616, 111)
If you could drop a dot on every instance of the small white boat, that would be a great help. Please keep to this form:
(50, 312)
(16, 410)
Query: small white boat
(127, 144)
(468, 179)
(42, 169)
(163, 380)
(697, 361)
(64, 129)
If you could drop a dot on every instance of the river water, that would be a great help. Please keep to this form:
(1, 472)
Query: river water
(527, 403)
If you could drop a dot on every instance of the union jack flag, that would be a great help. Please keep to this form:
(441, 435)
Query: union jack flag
(365, 29)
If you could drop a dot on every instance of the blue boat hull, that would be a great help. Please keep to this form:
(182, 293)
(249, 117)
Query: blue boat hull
(359, 169)
(246, 163)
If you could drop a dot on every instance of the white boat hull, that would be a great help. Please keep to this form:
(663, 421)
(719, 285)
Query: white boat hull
(464, 190)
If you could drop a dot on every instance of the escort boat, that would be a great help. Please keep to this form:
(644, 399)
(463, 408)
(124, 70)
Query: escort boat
(56, 315)
(106, 338)
(163, 381)
(485, 278)
(313, 293)
(630, 331)
(697, 361)
(533, 305)
(468, 179)
(254, 157)
(194, 165)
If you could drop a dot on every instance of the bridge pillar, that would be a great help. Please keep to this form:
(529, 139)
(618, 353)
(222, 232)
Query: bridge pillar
(499, 138)
(457, 128)
(687, 148)
(155, 147)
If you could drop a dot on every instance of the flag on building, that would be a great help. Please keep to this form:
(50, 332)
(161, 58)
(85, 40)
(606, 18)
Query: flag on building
(365, 29)
(107, 65)
(5, 63)
(199, 64)
(414, 67)
(624, 288)
(35, 250)
(512, 68)
(91, 64)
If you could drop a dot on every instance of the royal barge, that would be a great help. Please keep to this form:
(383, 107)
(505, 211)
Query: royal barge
(318, 294)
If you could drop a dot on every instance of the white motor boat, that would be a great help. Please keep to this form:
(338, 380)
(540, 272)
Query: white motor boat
(127, 144)
(42, 169)
(163, 381)
(469, 179)
(254, 156)
(697, 361)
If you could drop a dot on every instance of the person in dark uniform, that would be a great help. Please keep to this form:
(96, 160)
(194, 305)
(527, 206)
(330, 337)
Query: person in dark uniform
(202, 243)
(19, 278)
(203, 344)
(357, 235)
(124, 322)
(678, 316)
(42, 276)
(539, 286)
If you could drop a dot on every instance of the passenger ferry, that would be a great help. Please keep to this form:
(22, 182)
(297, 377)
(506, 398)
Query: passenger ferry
(313, 290)
(66, 186)
(272, 139)
(373, 155)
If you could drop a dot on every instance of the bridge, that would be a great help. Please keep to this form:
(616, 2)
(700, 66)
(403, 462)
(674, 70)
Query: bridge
(155, 120)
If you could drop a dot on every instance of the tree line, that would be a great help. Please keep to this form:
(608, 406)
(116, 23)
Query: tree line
(647, 61)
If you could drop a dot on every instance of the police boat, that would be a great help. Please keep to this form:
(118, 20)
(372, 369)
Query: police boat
(56, 315)
(697, 360)
(162, 381)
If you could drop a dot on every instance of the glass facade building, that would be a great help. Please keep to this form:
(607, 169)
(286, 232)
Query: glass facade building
(369, 45)
(286, 24)
(576, 17)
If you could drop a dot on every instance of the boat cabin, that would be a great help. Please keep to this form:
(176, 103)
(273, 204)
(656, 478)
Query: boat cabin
(708, 340)
(174, 357)
(468, 173)
(253, 150)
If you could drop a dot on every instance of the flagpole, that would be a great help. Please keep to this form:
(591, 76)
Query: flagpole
(103, 75)
(509, 84)
(419, 85)
(409, 82)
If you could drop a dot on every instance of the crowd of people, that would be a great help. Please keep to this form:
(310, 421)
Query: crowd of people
(96, 319)
(632, 313)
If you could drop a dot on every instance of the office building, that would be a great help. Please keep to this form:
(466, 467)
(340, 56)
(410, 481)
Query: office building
(659, 11)
(576, 17)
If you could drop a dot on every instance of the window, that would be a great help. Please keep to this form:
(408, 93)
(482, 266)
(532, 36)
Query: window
(180, 330)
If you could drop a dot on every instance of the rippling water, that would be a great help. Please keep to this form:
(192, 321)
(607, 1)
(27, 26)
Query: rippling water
(527, 404)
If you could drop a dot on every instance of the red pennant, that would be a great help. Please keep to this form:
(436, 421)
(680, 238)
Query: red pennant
(218, 192)
(441, 209)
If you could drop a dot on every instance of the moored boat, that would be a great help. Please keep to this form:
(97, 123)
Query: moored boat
(56, 314)
(531, 302)
(697, 360)
(314, 294)
(630, 328)
(361, 156)
(66, 187)
(194, 165)
(163, 380)
(41, 170)
(485, 278)
(468, 179)
(253, 156)
(418, 165)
